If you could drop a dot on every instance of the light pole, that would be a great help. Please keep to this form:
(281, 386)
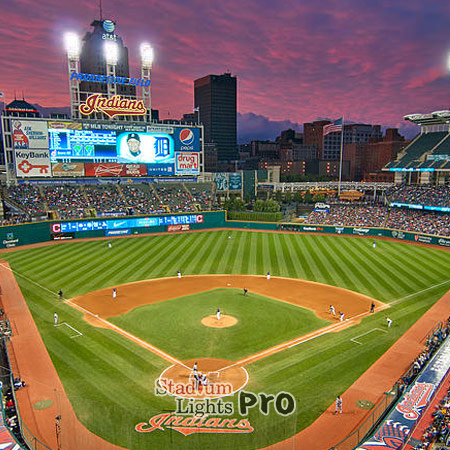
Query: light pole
(72, 44)
(147, 56)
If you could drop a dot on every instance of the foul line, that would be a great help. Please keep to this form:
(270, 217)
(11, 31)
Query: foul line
(367, 332)
(72, 328)
(130, 336)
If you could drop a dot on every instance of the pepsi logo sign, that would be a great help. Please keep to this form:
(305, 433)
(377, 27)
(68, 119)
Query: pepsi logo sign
(186, 136)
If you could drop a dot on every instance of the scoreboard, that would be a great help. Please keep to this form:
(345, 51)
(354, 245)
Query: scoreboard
(122, 224)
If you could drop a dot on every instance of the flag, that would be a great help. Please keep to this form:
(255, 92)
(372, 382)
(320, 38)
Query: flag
(333, 127)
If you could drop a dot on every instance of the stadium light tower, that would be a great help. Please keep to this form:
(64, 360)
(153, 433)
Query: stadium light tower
(147, 56)
(111, 51)
(72, 44)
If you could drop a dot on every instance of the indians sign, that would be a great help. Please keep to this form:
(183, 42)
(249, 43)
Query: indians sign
(113, 106)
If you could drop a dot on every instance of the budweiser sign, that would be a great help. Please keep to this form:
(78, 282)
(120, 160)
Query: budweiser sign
(194, 424)
(113, 106)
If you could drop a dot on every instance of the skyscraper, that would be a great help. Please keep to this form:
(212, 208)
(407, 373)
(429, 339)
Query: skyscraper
(216, 97)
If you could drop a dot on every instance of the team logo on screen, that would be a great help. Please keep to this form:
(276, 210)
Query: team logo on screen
(186, 136)
(113, 106)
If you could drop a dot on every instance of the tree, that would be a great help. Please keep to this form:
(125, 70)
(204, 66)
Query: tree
(278, 196)
(298, 197)
(259, 205)
(319, 198)
(288, 197)
(238, 204)
(271, 206)
(307, 197)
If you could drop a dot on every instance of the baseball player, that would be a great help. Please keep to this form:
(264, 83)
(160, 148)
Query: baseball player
(374, 245)
(229, 236)
(179, 274)
(372, 307)
(389, 322)
(194, 369)
(114, 293)
(218, 314)
(109, 245)
(245, 291)
(338, 405)
(268, 275)
(341, 316)
(60, 293)
(55, 318)
(332, 310)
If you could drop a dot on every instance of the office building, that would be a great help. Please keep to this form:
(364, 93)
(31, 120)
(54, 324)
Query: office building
(216, 98)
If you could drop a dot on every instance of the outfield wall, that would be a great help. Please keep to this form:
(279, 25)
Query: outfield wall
(32, 233)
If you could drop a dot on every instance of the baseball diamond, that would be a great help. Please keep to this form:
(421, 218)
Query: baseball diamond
(117, 378)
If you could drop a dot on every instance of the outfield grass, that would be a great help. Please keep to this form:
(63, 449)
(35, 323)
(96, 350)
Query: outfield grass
(262, 323)
(109, 380)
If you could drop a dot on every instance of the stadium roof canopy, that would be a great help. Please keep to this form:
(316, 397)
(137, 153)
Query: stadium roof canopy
(434, 118)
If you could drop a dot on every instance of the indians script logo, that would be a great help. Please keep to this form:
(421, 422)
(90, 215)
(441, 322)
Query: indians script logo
(112, 106)
(414, 400)
(194, 424)
(391, 435)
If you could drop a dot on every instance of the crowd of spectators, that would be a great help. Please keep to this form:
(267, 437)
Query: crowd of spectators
(69, 200)
(142, 198)
(414, 221)
(105, 198)
(419, 221)
(77, 201)
(361, 216)
(420, 195)
(28, 197)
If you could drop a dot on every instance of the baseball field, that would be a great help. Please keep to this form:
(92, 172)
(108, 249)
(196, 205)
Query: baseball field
(110, 352)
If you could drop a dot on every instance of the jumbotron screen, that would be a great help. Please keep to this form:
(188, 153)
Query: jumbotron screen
(72, 145)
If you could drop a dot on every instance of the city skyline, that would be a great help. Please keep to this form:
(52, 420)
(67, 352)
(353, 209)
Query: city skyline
(369, 61)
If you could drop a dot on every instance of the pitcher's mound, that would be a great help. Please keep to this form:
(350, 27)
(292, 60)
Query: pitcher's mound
(224, 322)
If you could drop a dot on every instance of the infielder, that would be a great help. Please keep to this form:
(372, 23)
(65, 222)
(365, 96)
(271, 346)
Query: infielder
(268, 275)
(332, 310)
(55, 317)
(114, 293)
(341, 316)
(218, 314)
(372, 307)
(179, 274)
(389, 322)
(338, 405)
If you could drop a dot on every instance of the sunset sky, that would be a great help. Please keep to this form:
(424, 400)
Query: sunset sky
(296, 60)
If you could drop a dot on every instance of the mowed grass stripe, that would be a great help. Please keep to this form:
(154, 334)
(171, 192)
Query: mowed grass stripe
(298, 256)
(207, 262)
(384, 271)
(287, 256)
(205, 252)
(276, 255)
(322, 264)
(252, 253)
(259, 266)
(245, 255)
(331, 256)
(234, 253)
(427, 260)
(368, 281)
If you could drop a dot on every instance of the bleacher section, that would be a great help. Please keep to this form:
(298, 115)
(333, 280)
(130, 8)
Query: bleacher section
(414, 154)
(69, 202)
(142, 198)
(105, 198)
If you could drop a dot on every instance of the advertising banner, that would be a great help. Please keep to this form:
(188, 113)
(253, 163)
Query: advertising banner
(221, 180)
(160, 169)
(68, 170)
(394, 430)
(145, 148)
(186, 139)
(187, 163)
(183, 227)
(32, 163)
(114, 170)
(29, 134)
(235, 181)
